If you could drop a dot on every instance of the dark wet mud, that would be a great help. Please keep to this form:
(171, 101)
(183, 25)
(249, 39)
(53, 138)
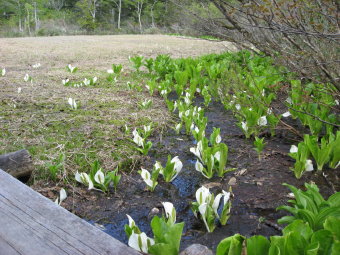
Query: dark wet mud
(257, 186)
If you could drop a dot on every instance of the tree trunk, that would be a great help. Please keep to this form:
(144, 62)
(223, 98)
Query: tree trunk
(17, 164)
(139, 12)
(36, 19)
(119, 13)
(152, 14)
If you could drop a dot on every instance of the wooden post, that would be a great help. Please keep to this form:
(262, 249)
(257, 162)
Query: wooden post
(17, 164)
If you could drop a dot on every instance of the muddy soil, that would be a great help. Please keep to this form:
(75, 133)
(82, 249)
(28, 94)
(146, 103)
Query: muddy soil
(257, 186)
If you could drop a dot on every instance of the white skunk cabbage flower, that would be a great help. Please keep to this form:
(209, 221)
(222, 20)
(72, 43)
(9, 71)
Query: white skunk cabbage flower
(170, 211)
(71, 68)
(65, 82)
(203, 195)
(198, 150)
(216, 204)
(289, 100)
(217, 156)
(99, 177)
(37, 65)
(178, 166)
(86, 82)
(26, 78)
(293, 149)
(94, 80)
(158, 165)
(262, 121)
(19, 90)
(62, 197)
(244, 126)
(226, 197)
(238, 107)
(203, 209)
(218, 139)
(140, 242)
(147, 177)
(84, 179)
(178, 127)
(199, 167)
(309, 165)
(3, 72)
(131, 221)
(72, 103)
(286, 114)
(110, 71)
(137, 138)
(147, 128)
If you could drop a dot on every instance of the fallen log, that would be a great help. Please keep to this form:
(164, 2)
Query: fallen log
(17, 164)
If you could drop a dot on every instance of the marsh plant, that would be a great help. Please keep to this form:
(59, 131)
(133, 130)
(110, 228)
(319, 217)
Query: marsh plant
(139, 138)
(171, 170)
(71, 69)
(3, 72)
(150, 178)
(146, 104)
(324, 152)
(211, 159)
(137, 62)
(62, 196)
(259, 146)
(116, 70)
(207, 206)
(313, 228)
(97, 179)
(28, 78)
(57, 166)
(302, 161)
(167, 234)
(310, 206)
(72, 102)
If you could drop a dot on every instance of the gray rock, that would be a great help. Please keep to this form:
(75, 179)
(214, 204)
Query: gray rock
(196, 249)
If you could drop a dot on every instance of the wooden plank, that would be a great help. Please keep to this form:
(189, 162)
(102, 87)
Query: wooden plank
(31, 224)
(6, 248)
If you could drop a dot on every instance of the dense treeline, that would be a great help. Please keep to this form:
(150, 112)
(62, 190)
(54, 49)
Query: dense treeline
(54, 17)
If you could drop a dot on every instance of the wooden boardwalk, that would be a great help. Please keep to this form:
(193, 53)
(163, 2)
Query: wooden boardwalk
(31, 224)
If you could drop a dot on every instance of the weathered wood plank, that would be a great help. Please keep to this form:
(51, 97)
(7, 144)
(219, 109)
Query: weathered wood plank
(31, 224)
(7, 249)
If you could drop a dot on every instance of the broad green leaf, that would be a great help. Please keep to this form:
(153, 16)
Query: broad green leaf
(295, 243)
(162, 249)
(257, 245)
(326, 213)
(277, 245)
(286, 220)
(334, 200)
(325, 240)
(167, 234)
(336, 248)
(312, 249)
(300, 227)
(230, 246)
(333, 225)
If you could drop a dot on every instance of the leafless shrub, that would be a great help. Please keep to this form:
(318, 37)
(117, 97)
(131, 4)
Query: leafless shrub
(302, 35)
